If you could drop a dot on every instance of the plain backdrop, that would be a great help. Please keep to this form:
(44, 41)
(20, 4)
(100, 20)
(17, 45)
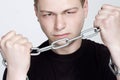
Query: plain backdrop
(19, 15)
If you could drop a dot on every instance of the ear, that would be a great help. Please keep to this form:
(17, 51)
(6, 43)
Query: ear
(36, 11)
(85, 7)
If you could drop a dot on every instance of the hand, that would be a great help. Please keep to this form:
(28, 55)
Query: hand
(16, 51)
(108, 20)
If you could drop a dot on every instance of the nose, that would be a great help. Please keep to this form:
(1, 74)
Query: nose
(59, 23)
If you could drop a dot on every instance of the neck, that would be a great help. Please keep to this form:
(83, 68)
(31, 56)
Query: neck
(74, 46)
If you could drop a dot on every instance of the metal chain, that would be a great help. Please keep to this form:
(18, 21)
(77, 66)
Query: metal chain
(84, 34)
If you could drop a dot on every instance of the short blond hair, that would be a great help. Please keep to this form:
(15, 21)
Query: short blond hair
(36, 1)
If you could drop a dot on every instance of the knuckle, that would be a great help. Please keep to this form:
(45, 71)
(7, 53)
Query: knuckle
(116, 13)
(2, 40)
(111, 17)
(19, 35)
(27, 44)
(25, 38)
(19, 46)
(96, 17)
(22, 47)
(105, 21)
(8, 43)
(30, 44)
(2, 44)
(104, 5)
(2, 37)
(16, 45)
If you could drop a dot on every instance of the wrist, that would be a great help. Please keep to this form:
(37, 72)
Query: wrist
(115, 55)
(114, 68)
(14, 74)
(114, 48)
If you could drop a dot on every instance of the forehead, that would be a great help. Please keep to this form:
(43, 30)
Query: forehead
(54, 5)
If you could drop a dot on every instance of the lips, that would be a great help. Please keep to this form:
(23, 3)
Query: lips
(62, 35)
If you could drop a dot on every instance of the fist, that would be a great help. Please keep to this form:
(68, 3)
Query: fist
(108, 20)
(16, 51)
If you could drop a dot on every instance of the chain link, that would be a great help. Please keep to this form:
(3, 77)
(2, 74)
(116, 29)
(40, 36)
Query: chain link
(84, 34)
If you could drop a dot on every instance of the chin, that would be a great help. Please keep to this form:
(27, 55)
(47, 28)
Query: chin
(59, 43)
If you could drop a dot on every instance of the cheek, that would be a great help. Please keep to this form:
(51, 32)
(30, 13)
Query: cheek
(47, 31)
(80, 19)
(46, 26)
(76, 23)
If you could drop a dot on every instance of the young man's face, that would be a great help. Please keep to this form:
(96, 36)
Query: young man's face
(61, 18)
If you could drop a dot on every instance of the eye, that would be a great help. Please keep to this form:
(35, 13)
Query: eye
(48, 14)
(70, 12)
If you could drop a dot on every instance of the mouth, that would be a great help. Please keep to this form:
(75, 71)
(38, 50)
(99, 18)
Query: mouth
(62, 35)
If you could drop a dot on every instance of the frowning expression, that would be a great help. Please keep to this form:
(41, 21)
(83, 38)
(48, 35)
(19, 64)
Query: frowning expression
(61, 19)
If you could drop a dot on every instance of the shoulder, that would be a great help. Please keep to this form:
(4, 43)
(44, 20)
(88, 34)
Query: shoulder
(99, 50)
(94, 45)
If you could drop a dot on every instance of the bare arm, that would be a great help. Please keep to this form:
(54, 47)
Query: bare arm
(16, 51)
(108, 19)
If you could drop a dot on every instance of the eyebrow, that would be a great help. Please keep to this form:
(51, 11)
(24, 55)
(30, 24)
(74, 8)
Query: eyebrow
(47, 11)
(70, 9)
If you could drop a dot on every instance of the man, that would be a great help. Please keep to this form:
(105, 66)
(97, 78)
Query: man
(81, 60)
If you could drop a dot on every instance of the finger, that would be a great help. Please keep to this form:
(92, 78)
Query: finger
(22, 40)
(28, 45)
(15, 38)
(101, 17)
(107, 12)
(6, 37)
(108, 6)
(98, 23)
